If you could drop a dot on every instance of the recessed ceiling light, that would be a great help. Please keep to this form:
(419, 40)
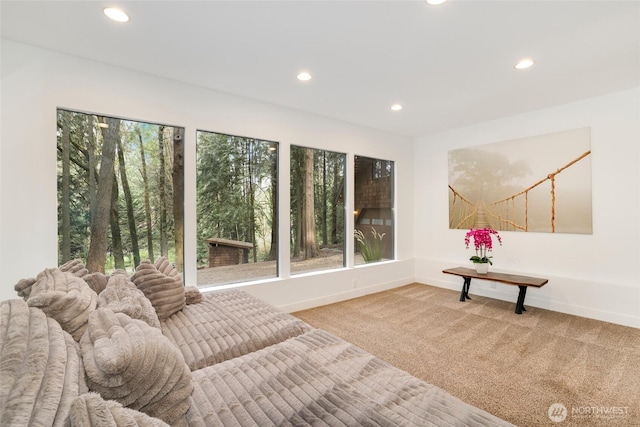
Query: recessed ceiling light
(304, 76)
(116, 14)
(396, 107)
(524, 63)
(435, 2)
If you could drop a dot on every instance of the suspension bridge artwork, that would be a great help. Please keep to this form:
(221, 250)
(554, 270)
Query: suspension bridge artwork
(534, 184)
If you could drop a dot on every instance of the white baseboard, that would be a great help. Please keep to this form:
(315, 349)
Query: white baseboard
(505, 293)
(343, 296)
(603, 315)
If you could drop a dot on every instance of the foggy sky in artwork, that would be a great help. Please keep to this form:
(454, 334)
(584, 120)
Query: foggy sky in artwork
(488, 173)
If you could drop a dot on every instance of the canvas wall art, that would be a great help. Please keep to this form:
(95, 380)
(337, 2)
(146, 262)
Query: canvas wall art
(535, 184)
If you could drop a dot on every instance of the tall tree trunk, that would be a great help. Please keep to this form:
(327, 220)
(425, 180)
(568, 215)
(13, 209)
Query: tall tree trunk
(147, 203)
(324, 199)
(309, 226)
(338, 187)
(162, 202)
(91, 160)
(100, 223)
(299, 237)
(296, 195)
(178, 195)
(131, 219)
(114, 222)
(273, 250)
(65, 229)
(252, 200)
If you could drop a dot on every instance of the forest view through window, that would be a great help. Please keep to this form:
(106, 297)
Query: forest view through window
(317, 209)
(120, 191)
(237, 208)
(373, 209)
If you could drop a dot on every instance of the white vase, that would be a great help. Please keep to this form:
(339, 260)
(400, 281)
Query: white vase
(481, 267)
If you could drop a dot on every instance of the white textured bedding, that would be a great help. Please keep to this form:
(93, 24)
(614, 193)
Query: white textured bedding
(321, 380)
(229, 360)
(228, 324)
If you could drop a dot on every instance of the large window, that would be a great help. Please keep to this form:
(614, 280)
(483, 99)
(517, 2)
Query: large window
(121, 201)
(317, 209)
(373, 209)
(237, 208)
(120, 191)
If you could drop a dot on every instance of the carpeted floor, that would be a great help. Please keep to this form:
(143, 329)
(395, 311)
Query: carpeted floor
(513, 366)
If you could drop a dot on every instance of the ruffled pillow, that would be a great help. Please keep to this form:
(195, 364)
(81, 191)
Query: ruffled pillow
(129, 361)
(91, 410)
(64, 297)
(96, 281)
(164, 266)
(192, 295)
(75, 267)
(41, 371)
(163, 288)
(122, 296)
(23, 287)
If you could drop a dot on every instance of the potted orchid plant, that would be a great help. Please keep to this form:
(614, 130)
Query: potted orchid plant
(483, 243)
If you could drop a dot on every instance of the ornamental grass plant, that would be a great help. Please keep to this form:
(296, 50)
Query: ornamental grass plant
(371, 249)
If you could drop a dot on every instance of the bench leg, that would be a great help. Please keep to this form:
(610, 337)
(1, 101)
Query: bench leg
(464, 295)
(520, 304)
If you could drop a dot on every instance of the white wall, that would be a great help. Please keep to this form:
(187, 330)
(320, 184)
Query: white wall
(589, 275)
(35, 82)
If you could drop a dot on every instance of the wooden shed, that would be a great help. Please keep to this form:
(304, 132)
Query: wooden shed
(228, 252)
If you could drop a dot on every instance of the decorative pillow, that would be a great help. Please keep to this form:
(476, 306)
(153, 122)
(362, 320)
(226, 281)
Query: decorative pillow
(165, 292)
(65, 298)
(164, 266)
(23, 287)
(122, 296)
(96, 281)
(192, 295)
(41, 372)
(75, 267)
(91, 410)
(129, 361)
(121, 272)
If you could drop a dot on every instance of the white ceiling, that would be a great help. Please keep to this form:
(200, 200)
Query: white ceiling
(448, 65)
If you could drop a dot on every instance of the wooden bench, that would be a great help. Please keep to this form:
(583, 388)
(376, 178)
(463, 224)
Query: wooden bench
(523, 282)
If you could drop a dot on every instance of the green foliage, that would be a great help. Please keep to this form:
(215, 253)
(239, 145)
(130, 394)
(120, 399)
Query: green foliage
(85, 140)
(371, 249)
(328, 178)
(481, 260)
(234, 191)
